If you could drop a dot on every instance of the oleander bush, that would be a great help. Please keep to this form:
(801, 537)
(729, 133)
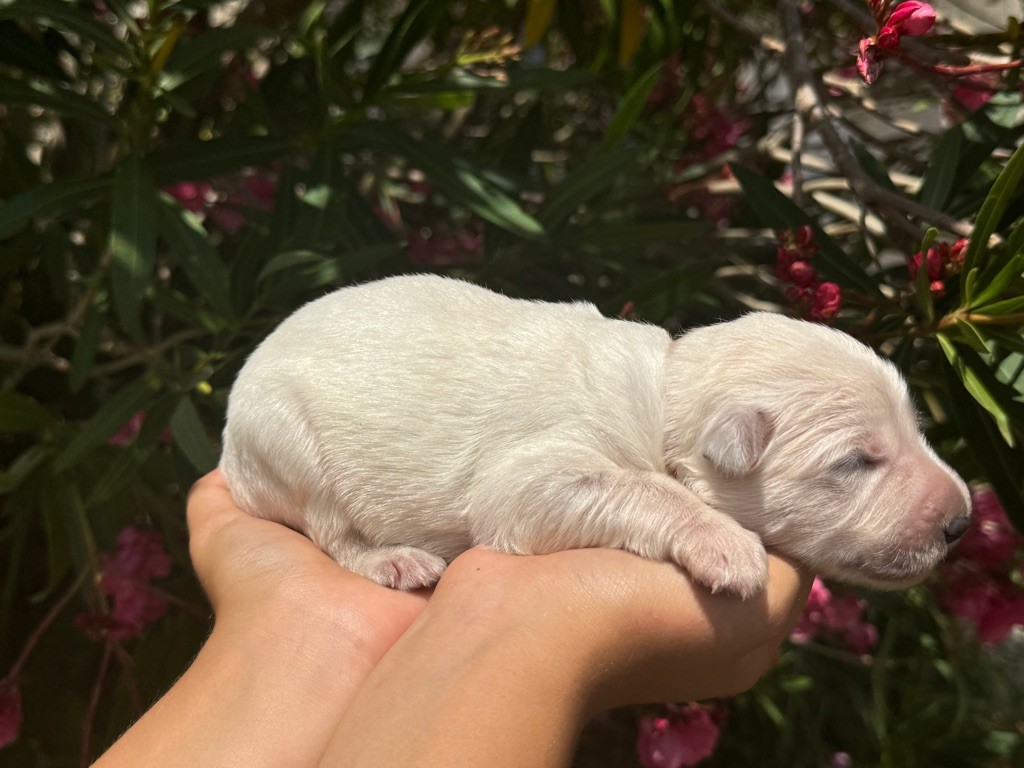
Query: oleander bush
(178, 176)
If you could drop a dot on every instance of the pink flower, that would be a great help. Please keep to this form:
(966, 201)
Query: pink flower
(974, 91)
(129, 430)
(125, 578)
(888, 38)
(802, 273)
(912, 18)
(686, 737)
(826, 302)
(192, 195)
(991, 539)
(841, 618)
(869, 66)
(1005, 614)
(840, 760)
(10, 712)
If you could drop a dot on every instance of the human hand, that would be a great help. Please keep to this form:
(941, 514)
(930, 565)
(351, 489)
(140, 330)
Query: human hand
(295, 637)
(268, 583)
(636, 630)
(522, 649)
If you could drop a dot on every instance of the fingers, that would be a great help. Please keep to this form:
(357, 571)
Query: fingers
(210, 508)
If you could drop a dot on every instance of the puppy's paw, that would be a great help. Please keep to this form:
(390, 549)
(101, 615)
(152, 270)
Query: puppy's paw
(723, 555)
(401, 567)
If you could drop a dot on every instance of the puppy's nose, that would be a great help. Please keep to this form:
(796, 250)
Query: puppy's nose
(956, 528)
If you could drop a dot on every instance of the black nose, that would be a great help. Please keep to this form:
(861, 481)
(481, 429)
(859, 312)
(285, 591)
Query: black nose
(956, 528)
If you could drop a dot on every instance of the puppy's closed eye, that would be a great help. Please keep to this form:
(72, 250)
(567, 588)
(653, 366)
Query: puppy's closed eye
(857, 462)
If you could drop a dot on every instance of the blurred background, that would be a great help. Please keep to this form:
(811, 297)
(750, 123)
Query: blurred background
(178, 176)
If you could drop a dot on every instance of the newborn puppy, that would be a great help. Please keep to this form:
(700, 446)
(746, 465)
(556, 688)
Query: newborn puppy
(401, 422)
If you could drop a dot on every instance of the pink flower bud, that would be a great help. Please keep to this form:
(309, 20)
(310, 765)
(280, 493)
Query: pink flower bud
(887, 38)
(685, 738)
(955, 258)
(912, 18)
(937, 288)
(805, 236)
(10, 712)
(868, 64)
(826, 302)
(802, 273)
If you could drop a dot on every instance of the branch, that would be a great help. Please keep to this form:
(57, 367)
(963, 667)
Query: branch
(811, 100)
(765, 41)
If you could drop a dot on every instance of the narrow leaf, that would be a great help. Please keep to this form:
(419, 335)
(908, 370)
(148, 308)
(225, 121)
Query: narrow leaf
(189, 435)
(1005, 307)
(202, 159)
(132, 241)
(779, 212)
(631, 106)
(1003, 190)
(592, 178)
(21, 413)
(85, 348)
(938, 178)
(538, 18)
(1010, 273)
(62, 100)
(190, 245)
(108, 419)
(47, 200)
(411, 26)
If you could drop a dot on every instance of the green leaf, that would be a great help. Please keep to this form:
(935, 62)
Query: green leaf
(22, 467)
(288, 260)
(409, 28)
(60, 99)
(68, 16)
(779, 212)
(453, 175)
(108, 419)
(201, 55)
(49, 200)
(613, 236)
(938, 178)
(190, 245)
(971, 335)
(189, 161)
(1000, 463)
(969, 283)
(190, 437)
(593, 177)
(1005, 307)
(1003, 190)
(991, 394)
(871, 165)
(132, 241)
(85, 348)
(1015, 243)
(21, 413)
(631, 106)
(1010, 273)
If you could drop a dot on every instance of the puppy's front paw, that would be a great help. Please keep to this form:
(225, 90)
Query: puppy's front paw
(401, 567)
(723, 555)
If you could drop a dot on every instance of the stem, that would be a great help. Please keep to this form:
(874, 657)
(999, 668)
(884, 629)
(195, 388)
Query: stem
(94, 700)
(44, 625)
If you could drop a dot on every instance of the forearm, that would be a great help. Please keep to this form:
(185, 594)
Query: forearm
(457, 691)
(247, 702)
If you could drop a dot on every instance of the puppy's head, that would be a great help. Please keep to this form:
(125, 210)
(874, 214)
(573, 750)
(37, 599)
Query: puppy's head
(808, 438)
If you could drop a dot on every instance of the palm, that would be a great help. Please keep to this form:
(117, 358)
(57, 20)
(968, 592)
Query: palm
(255, 566)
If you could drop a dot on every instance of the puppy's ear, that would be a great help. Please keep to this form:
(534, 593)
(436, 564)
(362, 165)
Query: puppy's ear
(735, 441)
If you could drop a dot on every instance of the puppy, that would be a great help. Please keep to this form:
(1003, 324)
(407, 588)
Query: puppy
(401, 422)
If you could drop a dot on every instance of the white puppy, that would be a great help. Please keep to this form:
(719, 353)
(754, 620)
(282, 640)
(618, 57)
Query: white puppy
(401, 422)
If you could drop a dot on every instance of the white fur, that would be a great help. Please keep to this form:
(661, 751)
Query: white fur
(400, 422)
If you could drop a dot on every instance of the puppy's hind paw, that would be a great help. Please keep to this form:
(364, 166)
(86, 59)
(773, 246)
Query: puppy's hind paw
(722, 555)
(401, 567)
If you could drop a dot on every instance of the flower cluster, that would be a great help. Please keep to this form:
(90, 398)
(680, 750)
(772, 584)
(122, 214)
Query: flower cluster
(941, 261)
(816, 300)
(907, 19)
(833, 617)
(223, 206)
(10, 712)
(126, 575)
(977, 579)
(684, 736)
